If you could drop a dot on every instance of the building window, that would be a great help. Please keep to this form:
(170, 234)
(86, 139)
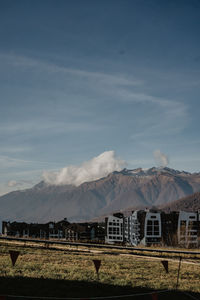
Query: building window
(153, 227)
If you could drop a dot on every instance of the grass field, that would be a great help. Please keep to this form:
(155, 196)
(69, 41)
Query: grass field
(70, 273)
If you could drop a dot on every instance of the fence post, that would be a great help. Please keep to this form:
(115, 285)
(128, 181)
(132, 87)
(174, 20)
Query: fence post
(179, 267)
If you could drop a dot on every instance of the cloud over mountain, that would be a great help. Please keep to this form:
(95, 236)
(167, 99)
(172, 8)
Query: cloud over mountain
(161, 159)
(98, 167)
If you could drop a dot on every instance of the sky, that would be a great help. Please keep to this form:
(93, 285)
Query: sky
(82, 78)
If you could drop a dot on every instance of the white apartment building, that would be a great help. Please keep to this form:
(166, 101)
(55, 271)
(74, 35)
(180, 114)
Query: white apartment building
(132, 229)
(114, 229)
(152, 228)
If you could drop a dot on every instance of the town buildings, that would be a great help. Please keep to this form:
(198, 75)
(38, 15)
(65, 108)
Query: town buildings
(154, 227)
(141, 227)
(56, 230)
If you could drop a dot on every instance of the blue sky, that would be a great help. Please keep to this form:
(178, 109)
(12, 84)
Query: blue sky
(78, 78)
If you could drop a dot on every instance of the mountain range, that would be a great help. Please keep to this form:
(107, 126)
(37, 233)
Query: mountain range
(138, 188)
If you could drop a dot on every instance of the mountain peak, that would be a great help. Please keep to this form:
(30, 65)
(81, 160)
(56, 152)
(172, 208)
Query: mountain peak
(41, 185)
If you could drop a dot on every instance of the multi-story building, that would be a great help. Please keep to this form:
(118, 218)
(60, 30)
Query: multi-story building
(85, 232)
(188, 229)
(114, 229)
(132, 228)
(152, 228)
(34, 230)
(147, 227)
(169, 228)
(143, 227)
(56, 230)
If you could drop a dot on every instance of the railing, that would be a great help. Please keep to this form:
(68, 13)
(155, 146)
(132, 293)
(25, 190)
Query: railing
(91, 245)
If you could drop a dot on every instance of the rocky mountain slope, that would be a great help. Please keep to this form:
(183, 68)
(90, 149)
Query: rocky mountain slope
(119, 190)
(189, 203)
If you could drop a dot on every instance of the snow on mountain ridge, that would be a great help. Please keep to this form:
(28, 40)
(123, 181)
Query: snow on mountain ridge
(151, 171)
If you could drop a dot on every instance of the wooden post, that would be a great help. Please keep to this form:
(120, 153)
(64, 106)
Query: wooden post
(179, 267)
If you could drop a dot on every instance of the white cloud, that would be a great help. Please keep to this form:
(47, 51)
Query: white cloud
(7, 162)
(91, 170)
(99, 79)
(102, 78)
(161, 159)
(14, 183)
(49, 127)
(170, 116)
(14, 149)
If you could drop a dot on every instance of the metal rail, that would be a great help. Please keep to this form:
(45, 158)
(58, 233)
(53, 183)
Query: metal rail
(90, 245)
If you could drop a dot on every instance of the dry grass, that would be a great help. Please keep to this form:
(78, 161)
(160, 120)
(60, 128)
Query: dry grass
(118, 270)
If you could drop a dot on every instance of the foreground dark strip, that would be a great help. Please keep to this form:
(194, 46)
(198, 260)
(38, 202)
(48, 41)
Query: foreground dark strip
(40, 288)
